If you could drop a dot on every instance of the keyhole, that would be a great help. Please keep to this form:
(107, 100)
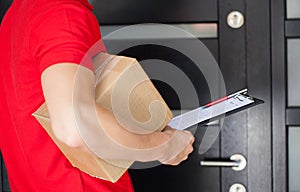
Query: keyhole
(238, 189)
(235, 19)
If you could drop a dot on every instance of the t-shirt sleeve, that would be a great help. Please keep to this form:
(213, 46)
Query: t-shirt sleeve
(65, 34)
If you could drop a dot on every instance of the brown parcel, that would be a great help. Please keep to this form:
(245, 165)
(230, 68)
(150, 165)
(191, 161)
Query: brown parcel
(143, 94)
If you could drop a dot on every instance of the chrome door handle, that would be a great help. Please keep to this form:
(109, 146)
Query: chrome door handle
(237, 162)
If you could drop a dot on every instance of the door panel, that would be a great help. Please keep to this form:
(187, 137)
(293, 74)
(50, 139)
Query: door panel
(279, 135)
(259, 84)
(233, 65)
(155, 11)
(292, 9)
(293, 70)
(294, 157)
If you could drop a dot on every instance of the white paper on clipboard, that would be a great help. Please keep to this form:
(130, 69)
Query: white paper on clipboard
(203, 113)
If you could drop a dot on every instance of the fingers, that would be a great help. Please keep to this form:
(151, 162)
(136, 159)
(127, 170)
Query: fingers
(178, 159)
(168, 128)
(184, 153)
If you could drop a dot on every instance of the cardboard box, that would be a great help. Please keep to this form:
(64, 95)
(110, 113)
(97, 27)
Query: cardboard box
(108, 70)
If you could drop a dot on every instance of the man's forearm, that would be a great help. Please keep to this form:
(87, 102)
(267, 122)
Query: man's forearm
(126, 138)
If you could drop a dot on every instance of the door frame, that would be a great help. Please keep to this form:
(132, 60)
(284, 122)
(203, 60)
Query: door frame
(279, 131)
(259, 84)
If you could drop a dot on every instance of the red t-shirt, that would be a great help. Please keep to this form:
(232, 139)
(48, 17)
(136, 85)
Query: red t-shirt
(34, 35)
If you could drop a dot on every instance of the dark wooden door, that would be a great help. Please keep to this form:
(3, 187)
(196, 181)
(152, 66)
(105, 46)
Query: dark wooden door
(243, 55)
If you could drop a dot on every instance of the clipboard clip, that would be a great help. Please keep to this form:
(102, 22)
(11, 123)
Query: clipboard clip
(236, 94)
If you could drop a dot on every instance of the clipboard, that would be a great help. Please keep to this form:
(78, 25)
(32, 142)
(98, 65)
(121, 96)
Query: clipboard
(214, 110)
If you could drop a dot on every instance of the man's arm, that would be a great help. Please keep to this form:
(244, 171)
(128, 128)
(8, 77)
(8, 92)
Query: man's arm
(58, 82)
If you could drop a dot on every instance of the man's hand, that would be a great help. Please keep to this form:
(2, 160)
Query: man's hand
(181, 145)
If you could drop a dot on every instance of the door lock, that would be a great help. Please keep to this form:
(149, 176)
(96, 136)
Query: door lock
(235, 19)
(237, 187)
(237, 162)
